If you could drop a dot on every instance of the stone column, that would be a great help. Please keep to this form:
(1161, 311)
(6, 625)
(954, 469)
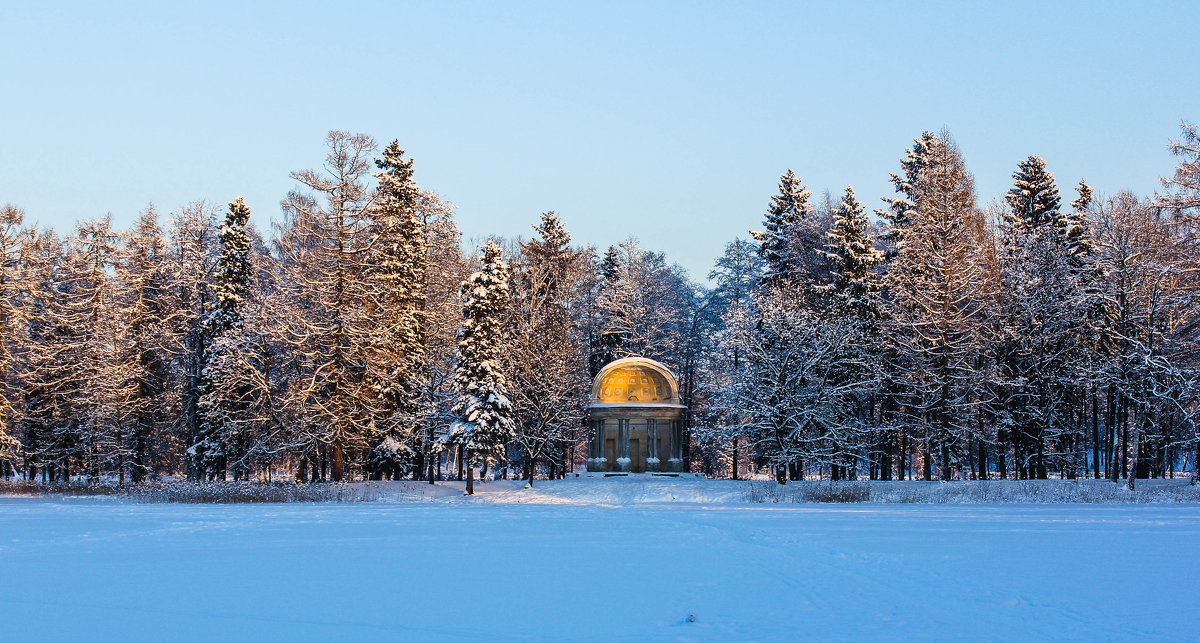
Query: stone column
(625, 444)
(598, 445)
(676, 447)
(652, 438)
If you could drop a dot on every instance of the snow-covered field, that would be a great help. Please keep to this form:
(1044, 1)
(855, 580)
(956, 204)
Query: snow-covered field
(595, 559)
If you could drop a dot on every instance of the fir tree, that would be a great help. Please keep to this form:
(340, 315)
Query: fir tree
(1073, 225)
(485, 416)
(608, 340)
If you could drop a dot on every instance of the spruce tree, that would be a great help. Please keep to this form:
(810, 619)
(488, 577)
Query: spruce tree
(851, 258)
(608, 339)
(396, 277)
(779, 239)
(484, 413)
(901, 209)
(1073, 228)
(1040, 310)
(1033, 199)
(223, 399)
(544, 358)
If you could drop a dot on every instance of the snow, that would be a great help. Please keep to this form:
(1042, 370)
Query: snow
(627, 558)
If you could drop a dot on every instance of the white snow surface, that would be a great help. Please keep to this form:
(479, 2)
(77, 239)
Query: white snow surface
(595, 559)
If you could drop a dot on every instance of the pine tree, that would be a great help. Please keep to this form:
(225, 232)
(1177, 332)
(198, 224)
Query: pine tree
(485, 417)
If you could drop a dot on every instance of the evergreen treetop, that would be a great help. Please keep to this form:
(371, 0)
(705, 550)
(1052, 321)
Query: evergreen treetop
(1033, 199)
(776, 240)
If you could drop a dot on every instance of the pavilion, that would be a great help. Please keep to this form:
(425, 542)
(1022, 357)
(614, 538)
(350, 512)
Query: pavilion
(635, 416)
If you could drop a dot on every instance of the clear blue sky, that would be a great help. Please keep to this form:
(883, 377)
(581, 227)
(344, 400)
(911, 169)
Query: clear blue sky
(670, 121)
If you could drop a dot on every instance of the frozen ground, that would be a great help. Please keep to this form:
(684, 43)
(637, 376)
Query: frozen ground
(625, 559)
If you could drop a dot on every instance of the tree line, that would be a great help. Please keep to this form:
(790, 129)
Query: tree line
(1026, 338)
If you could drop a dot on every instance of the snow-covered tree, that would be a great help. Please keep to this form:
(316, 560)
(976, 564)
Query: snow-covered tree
(91, 314)
(783, 242)
(12, 240)
(1033, 199)
(1183, 187)
(321, 248)
(901, 209)
(225, 397)
(934, 306)
(396, 288)
(851, 258)
(143, 361)
(544, 355)
(1151, 307)
(45, 378)
(789, 404)
(193, 250)
(485, 414)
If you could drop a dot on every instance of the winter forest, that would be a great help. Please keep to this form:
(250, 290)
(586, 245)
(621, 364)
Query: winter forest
(1051, 331)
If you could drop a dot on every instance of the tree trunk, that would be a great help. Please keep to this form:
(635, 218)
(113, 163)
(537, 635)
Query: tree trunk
(470, 476)
(338, 463)
(1196, 463)
(1095, 438)
(927, 462)
(946, 462)
(735, 459)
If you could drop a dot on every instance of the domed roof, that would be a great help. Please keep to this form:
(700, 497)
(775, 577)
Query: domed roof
(635, 380)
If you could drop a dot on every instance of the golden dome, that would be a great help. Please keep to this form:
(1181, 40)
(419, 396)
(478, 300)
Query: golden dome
(635, 380)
